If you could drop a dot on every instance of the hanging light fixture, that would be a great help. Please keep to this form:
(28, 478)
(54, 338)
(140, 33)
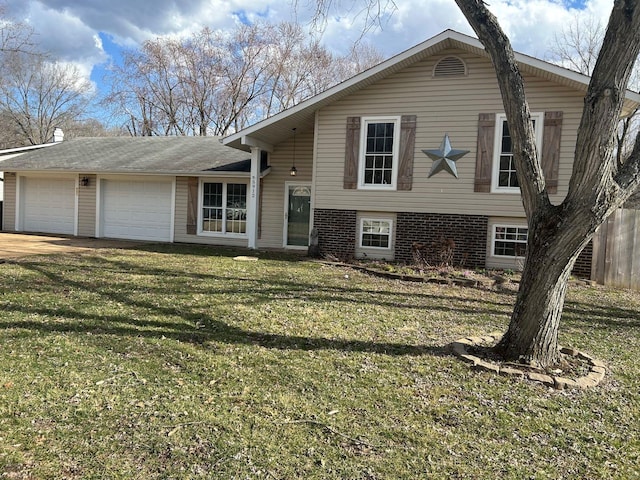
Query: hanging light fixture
(294, 171)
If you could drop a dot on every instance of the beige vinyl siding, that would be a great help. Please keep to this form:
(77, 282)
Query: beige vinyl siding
(273, 192)
(180, 219)
(443, 106)
(87, 207)
(9, 203)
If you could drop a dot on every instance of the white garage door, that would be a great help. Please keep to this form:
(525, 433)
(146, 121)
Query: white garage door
(48, 205)
(136, 209)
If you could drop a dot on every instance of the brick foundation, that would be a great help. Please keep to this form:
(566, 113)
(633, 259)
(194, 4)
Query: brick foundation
(337, 237)
(468, 232)
(582, 268)
(336, 232)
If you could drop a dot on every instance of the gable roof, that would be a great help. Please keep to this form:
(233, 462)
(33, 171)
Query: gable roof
(275, 129)
(159, 155)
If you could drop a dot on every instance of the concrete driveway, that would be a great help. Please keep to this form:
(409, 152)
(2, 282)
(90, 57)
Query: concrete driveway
(16, 245)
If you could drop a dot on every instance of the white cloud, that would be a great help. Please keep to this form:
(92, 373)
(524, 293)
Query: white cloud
(69, 28)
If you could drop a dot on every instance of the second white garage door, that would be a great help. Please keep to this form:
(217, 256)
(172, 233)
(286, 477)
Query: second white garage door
(136, 209)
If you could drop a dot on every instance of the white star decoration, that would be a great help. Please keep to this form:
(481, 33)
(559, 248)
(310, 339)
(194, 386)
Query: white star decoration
(445, 157)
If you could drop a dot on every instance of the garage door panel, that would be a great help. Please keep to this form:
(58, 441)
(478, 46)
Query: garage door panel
(49, 205)
(137, 209)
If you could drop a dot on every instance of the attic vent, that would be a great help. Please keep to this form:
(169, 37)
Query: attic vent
(450, 67)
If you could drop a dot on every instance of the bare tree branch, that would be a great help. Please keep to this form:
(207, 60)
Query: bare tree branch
(526, 157)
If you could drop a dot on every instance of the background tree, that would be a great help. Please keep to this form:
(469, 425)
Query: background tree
(576, 47)
(15, 37)
(37, 95)
(214, 83)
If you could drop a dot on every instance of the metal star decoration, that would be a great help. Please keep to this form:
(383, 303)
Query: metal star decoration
(445, 157)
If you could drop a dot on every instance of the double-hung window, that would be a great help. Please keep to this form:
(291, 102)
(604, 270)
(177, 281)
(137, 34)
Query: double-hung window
(379, 146)
(223, 208)
(375, 233)
(509, 241)
(504, 169)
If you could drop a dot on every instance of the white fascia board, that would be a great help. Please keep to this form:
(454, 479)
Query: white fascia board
(19, 150)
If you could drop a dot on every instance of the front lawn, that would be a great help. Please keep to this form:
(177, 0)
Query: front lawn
(181, 362)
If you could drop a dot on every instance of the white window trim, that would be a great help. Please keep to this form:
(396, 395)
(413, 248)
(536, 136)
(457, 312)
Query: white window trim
(493, 238)
(497, 144)
(224, 183)
(395, 154)
(372, 219)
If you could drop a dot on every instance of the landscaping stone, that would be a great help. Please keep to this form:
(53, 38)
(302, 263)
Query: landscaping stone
(572, 352)
(508, 371)
(469, 358)
(540, 377)
(245, 258)
(562, 383)
(586, 357)
(596, 376)
(486, 366)
(586, 382)
(596, 373)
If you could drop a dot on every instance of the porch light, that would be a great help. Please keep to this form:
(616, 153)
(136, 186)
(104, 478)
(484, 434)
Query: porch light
(294, 171)
(84, 181)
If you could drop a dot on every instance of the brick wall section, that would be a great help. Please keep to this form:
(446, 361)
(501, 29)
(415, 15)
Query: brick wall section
(469, 232)
(336, 232)
(582, 268)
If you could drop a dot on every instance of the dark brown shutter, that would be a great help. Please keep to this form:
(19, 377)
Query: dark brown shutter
(407, 147)
(551, 149)
(192, 205)
(484, 152)
(352, 151)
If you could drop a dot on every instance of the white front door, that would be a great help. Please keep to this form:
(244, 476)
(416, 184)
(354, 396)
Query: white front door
(297, 215)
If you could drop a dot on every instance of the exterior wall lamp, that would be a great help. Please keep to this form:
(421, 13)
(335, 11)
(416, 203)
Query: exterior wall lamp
(84, 181)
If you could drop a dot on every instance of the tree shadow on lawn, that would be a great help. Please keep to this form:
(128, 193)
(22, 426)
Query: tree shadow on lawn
(215, 331)
(197, 327)
(586, 315)
(262, 290)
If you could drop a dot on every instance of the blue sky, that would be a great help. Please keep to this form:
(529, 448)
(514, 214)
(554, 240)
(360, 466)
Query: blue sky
(91, 33)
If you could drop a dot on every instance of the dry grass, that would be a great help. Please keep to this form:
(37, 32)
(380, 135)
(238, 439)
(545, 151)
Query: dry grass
(179, 362)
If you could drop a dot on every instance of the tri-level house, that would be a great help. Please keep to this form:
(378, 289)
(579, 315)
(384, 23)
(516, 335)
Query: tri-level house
(411, 155)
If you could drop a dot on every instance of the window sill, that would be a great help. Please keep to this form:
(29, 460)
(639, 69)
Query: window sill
(390, 188)
(512, 191)
(222, 235)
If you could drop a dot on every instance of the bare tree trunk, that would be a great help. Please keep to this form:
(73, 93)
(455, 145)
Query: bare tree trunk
(599, 182)
(552, 251)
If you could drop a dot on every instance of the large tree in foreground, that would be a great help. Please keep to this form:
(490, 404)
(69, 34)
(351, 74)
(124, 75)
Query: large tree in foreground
(599, 183)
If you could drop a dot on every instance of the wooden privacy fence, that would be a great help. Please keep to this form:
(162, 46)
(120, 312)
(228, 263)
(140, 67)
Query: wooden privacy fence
(616, 250)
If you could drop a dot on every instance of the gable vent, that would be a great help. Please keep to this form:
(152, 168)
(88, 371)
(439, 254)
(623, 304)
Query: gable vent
(450, 67)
